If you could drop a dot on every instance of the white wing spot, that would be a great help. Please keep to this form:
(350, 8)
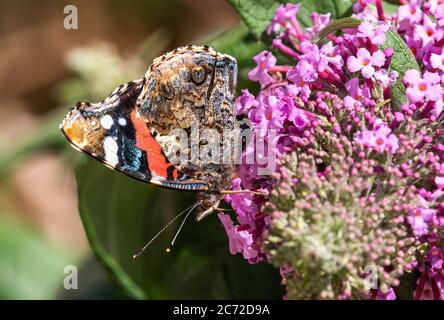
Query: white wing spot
(106, 121)
(110, 147)
(122, 121)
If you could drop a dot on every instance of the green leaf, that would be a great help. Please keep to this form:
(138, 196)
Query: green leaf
(402, 61)
(121, 214)
(258, 14)
(241, 44)
(407, 285)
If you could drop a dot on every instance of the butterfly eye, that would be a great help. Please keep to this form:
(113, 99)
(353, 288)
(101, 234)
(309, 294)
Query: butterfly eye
(198, 75)
(167, 91)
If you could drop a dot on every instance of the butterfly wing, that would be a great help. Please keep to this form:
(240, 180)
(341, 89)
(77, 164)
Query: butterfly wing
(114, 133)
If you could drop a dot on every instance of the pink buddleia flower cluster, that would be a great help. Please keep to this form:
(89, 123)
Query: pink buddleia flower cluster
(357, 197)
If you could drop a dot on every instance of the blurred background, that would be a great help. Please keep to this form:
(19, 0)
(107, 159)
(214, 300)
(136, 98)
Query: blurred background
(45, 69)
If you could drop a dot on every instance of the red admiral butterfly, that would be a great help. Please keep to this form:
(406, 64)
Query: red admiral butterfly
(130, 130)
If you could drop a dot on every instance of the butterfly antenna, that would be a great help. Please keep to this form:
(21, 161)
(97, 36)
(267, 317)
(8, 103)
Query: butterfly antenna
(181, 226)
(187, 211)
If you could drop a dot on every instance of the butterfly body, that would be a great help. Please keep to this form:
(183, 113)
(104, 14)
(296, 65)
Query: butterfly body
(131, 130)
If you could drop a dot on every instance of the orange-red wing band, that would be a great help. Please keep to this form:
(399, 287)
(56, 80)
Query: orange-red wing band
(158, 163)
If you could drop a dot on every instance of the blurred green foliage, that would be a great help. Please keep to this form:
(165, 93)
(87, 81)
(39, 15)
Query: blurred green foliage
(25, 259)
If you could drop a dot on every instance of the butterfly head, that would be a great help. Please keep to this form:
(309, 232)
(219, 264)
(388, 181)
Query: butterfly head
(225, 75)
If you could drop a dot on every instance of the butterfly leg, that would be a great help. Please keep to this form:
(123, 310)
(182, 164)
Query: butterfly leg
(212, 201)
(208, 211)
